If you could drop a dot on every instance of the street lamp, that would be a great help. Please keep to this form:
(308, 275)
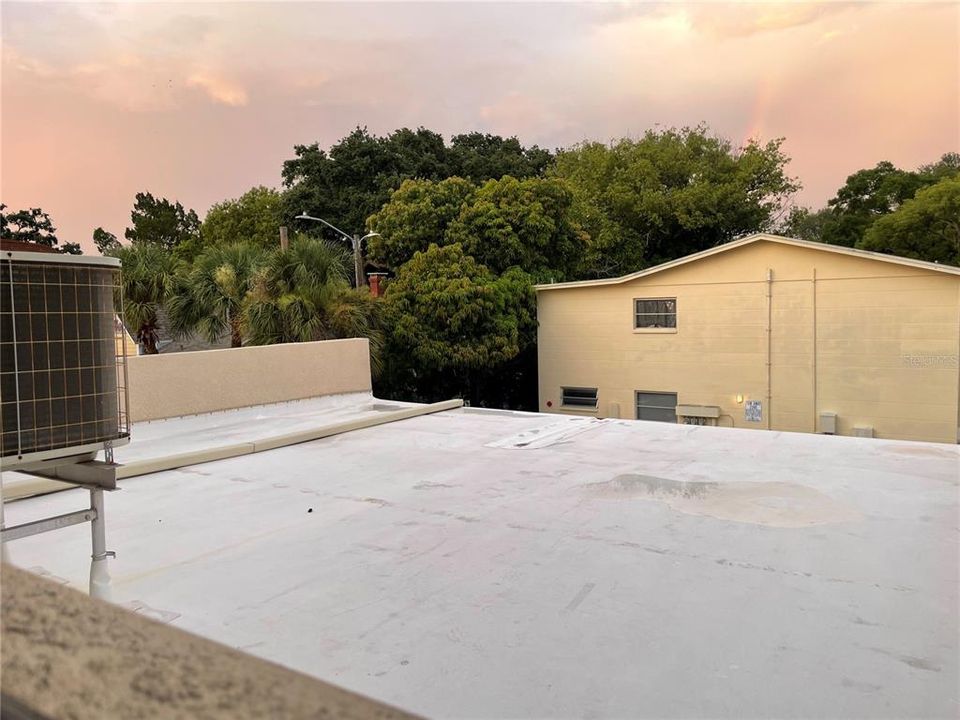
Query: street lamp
(354, 241)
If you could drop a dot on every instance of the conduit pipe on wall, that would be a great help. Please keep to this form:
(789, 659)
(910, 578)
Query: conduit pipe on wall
(816, 390)
(769, 346)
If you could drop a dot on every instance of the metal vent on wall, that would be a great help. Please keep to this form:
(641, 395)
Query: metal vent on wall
(62, 366)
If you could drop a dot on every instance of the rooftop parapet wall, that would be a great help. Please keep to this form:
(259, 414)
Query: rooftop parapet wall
(191, 383)
(66, 655)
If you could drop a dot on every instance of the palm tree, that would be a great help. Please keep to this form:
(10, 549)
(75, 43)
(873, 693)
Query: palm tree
(210, 296)
(303, 294)
(147, 275)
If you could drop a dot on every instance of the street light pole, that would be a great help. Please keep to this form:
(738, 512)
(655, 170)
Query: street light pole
(355, 243)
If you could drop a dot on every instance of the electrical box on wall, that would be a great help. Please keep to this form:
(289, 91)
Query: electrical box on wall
(828, 423)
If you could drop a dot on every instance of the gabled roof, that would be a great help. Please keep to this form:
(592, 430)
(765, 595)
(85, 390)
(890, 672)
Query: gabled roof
(749, 240)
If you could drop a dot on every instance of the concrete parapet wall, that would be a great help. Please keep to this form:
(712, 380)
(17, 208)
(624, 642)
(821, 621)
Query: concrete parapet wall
(191, 383)
(65, 655)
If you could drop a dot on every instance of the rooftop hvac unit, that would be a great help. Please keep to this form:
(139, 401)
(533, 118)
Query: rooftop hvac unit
(62, 389)
(63, 394)
(863, 431)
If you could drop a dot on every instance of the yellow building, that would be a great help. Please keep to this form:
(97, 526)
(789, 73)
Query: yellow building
(762, 332)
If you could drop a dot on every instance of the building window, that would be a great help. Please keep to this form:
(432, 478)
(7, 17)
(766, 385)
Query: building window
(658, 406)
(655, 313)
(579, 397)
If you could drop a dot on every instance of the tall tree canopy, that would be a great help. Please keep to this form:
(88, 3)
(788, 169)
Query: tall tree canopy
(671, 193)
(453, 323)
(105, 241)
(481, 156)
(254, 217)
(356, 177)
(925, 227)
(866, 196)
(33, 226)
(503, 223)
(164, 224)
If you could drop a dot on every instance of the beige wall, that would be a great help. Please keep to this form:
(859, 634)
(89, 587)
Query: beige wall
(875, 342)
(197, 382)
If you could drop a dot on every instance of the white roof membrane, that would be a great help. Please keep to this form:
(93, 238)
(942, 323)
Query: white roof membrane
(493, 564)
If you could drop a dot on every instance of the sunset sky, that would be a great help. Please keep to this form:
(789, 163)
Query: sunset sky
(199, 102)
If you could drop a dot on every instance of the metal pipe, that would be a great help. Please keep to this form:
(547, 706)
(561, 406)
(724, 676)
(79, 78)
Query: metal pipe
(4, 553)
(769, 346)
(816, 389)
(99, 572)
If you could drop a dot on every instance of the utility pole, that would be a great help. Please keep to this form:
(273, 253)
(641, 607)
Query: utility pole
(357, 261)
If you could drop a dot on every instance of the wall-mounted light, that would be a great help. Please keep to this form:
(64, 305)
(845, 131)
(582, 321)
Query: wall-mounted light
(739, 399)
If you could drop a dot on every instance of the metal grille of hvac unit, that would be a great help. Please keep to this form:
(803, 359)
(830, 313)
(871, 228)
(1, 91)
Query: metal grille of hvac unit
(62, 369)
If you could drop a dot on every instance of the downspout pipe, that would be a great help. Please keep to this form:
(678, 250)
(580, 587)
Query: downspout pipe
(769, 346)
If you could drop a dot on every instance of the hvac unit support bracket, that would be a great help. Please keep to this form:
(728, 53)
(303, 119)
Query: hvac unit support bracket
(99, 573)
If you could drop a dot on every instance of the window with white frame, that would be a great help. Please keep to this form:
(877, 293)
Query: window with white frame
(650, 313)
(579, 397)
(658, 406)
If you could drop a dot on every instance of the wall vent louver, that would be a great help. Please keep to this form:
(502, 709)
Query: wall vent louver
(62, 379)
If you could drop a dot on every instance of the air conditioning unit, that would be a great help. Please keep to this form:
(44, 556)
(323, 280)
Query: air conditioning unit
(62, 368)
(828, 423)
(698, 411)
(863, 431)
(63, 394)
(698, 414)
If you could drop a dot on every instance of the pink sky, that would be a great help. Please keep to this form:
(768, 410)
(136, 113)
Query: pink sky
(198, 102)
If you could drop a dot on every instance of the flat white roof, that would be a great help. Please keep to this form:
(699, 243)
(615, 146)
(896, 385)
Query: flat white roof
(494, 564)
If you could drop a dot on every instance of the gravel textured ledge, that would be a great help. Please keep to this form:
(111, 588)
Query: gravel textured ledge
(65, 655)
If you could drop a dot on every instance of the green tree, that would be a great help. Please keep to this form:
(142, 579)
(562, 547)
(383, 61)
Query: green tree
(254, 217)
(479, 157)
(453, 324)
(925, 227)
(105, 241)
(33, 226)
(210, 296)
(805, 224)
(523, 223)
(671, 193)
(148, 275)
(506, 222)
(164, 224)
(865, 196)
(303, 294)
(418, 215)
(946, 167)
(358, 174)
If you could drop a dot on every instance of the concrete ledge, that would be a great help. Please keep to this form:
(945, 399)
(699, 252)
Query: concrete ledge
(191, 383)
(136, 468)
(68, 656)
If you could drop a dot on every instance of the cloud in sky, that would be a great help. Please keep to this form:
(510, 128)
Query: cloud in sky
(201, 101)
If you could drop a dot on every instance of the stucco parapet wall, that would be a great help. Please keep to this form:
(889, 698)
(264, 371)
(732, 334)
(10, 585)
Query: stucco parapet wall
(67, 655)
(190, 383)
